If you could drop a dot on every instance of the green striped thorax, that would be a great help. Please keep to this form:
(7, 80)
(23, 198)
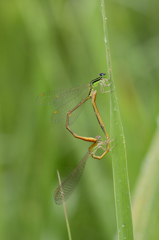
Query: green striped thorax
(99, 80)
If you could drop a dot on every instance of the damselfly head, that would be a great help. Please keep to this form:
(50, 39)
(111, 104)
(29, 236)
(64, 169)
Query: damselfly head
(102, 74)
(98, 137)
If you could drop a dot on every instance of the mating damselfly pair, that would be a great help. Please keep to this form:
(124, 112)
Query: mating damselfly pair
(65, 103)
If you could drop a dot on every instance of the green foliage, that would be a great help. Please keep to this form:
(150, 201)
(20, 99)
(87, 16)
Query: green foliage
(146, 196)
(47, 45)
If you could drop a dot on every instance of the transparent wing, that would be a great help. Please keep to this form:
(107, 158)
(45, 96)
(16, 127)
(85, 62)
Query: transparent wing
(63, 101)
(61, 97)
(61, 113)
(69, 185)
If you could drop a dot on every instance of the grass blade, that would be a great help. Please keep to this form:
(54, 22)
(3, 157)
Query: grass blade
(119, 158)
(146, 196)
(65, 211)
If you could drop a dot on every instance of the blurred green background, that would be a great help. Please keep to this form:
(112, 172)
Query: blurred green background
(47, 45)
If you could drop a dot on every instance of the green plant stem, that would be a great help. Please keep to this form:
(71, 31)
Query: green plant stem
(146, 195)
(119, 158)
(65, 211)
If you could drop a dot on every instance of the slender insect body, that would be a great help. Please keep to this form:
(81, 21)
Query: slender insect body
(73, 99)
